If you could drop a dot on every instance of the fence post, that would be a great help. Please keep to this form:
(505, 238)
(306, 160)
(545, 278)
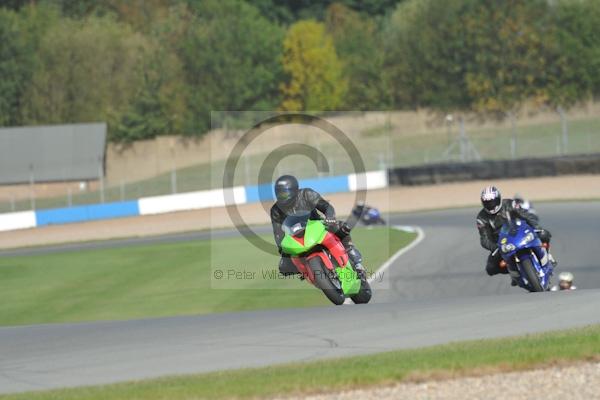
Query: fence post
(173, 167)
(122, 190)
(565, 129)
(513, 139)
(101, 179)
(463, 140)
(173, 181)
(31, 187)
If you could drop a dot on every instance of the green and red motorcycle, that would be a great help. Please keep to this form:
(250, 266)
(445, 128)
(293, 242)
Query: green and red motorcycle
(321, 258)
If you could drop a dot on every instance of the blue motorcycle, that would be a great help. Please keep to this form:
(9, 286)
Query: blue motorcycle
(368, 215)
(526, 258)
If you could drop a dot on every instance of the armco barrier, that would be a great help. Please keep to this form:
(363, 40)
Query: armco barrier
(494, 169)
(184, 201)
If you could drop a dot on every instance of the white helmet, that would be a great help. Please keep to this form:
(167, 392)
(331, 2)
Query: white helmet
(491, 200)
(565, 276)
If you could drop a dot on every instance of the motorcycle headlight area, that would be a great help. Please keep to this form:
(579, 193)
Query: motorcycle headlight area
(507, 248)
(528, 238)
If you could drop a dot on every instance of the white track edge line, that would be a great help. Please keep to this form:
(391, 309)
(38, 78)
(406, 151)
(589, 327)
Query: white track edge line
(398, 254)
(390, 261)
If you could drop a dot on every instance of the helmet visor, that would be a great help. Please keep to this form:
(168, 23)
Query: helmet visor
(285, 194)
(491, 206)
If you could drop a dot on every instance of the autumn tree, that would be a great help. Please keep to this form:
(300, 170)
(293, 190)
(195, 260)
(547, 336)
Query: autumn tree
(514, 54)
(315, 74)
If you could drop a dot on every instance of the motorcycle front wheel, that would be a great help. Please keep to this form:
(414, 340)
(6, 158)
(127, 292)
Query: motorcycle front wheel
(364, 295)
(327, 281)
(531, 275)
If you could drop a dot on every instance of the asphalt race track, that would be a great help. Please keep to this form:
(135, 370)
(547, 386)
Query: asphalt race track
(437, 292)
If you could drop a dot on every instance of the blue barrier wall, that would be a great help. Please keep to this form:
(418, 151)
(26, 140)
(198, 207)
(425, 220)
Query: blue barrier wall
(333, 184)
(87, 213)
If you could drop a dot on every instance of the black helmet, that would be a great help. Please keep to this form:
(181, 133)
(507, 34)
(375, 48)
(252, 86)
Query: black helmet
(491, 200)
(286, 188)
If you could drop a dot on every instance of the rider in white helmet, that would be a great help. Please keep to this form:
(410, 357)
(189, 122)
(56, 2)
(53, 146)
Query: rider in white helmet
(565, 282)
(490, 220)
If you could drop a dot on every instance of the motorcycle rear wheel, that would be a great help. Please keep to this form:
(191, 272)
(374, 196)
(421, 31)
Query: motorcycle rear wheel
(532, 276)
(324, 281)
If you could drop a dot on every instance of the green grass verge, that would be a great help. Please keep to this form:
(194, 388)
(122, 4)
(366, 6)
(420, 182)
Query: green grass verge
(465, 358)
(160, 280)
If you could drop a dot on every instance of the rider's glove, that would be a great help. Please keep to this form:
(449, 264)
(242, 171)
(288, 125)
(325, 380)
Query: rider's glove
(345, 228)
(330, 222)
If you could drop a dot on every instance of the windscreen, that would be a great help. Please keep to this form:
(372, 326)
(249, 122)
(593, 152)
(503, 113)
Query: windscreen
(295, 224)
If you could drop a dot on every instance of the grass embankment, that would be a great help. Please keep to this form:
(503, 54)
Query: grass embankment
(161, 280)
(458, 359)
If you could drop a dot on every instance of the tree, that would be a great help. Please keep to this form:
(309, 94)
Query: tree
(489, 57)
(159, 106)
(357, 43)
(515, 55)
(315, 74)
(230, 56)
(426, 57)
(20, 34)
(88, 70)
(14, 60)
(288, 12)
(576, 76)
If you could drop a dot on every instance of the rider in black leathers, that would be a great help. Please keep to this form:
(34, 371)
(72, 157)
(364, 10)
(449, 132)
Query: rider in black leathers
(490, 220)
(292, 200)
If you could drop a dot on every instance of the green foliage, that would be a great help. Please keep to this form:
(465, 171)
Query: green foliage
(489, 56)
(230, 56)
(158, 107)
(512, 52)
(315, 79)
(14, 60)
(153, 67)
(578, 37)
(358, 46)
(426, 56)
(88, 71)
(288, 12)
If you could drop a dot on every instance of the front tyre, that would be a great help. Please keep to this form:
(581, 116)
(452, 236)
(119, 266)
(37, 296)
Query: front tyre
(531, 275)
(364, 294)
(327, 281)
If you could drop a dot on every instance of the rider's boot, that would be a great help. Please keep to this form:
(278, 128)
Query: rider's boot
(356, 261)
(514, 276)
(552, 260)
